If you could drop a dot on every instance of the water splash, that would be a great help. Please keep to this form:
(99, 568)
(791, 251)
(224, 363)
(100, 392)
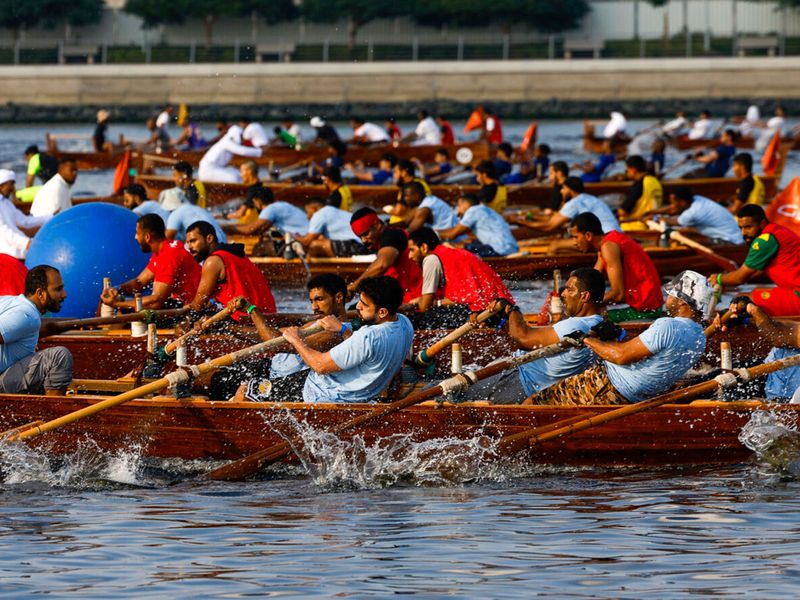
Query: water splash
(775, 440)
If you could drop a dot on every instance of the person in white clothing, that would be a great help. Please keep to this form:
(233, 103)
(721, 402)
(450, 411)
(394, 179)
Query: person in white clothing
(367, 133)
(426, 133)
(750, 122)
(777, 122)
(165, 117)
(676, 126)
(54, 197)
(253, 134)
(214, 164)
(701, 128)
(615, 126)
(13, 240)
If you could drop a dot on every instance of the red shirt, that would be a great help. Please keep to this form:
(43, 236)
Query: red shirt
(12, 276)
(784, 268)
(468, 280)
(448, 137)
(243, 278)
(642, 282)
(174, 266)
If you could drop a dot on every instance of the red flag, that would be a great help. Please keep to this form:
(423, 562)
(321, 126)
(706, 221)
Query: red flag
(772, 155)
(475, 120)
(122, 175)
(529, 137)
(785, 208)
(12, 276)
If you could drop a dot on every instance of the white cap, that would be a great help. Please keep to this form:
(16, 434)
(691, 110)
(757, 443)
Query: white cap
(102, 115)
(317, 122)
(171, 199)
(692, 288)
(6, 175)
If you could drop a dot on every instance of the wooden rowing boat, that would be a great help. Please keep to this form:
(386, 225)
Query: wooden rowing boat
(702, 432)
(528, 194)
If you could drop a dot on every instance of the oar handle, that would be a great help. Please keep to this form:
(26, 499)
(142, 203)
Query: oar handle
(722, 262)
(424, 357)
(145, 315)
(176, 343)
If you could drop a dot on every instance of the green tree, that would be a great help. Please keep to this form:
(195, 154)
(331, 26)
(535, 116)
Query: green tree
(81, 12)
(157, 12)
(16, 15)
(272, 11)
(357, 12)
(543, 15)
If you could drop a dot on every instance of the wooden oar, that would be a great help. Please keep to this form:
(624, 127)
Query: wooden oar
(723, 263)
(177, 377)
(216, 318)
(249, 465)
(147, 316)
(159, 158)
(519, 441)
(424, 357)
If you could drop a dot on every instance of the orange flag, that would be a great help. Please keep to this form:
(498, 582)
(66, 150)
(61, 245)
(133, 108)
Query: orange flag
(785, 208)
(529, 137)
(122, 175)
(772, 155)
(475, 120)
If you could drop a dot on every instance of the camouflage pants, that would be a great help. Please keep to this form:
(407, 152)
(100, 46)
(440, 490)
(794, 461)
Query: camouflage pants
(585, 389)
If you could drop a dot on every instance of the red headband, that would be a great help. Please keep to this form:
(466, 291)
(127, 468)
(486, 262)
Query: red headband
(362, 225)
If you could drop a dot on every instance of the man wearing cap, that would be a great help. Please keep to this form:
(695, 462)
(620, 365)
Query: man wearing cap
(326, 134)
(645, 366)
(391, 247)
(214, 164)
(15, 226)
(100, 142)
(54, 196)
(134, 198)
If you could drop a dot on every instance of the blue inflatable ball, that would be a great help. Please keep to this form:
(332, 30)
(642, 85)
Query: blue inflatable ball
(87, 243)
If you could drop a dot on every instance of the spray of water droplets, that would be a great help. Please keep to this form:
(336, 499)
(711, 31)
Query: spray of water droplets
(775, 440)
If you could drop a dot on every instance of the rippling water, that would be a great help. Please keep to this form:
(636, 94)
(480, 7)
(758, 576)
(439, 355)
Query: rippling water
(433, 520)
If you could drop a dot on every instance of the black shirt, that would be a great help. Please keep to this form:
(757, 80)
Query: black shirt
(556, 199)
(634, 193)
(394, 238)
(745, 188)
(100, 136)
(335, 199)
(487, 193)
(328, 134)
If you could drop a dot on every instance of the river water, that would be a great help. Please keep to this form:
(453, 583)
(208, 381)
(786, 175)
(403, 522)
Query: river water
(358, 522)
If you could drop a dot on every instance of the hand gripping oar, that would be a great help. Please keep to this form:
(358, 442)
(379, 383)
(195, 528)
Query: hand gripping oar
(249, 465)
(146, 316)
(723, 263)
(216, 318)
(177, 377)
(423, 358)
(519, 441)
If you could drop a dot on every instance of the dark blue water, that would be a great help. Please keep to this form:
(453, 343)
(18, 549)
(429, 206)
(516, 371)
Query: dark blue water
(359, 522)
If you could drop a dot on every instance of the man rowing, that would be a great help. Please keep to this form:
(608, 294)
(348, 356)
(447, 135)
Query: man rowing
(284, 217)
(645, 195)
(40, 164)
(23, 370)
(214, 166)
(16, 228)
(491, 235)
(492, 193)
(594, 171)
(253, 133)
(172, 272)
(750, 189)
(134, 198)
(100, 141)
(456, 278)
(709, 218)
(340, 195)
(441, 169)
(639, 368)
(426, 209)
(391, 248)
(701, 128)
(582, 299)
(365, 133)
(427, 132)
(716, 162)
(179, 220)
(405, 172)
(226, 272)
(191, 190)
(325, 134)
(775, 252)
(329, 232)
(556, 175)
(54, 196)
(631, 274)
(379, 176)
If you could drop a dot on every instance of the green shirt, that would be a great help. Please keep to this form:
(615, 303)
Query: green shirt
(762, 251)
(34, 164)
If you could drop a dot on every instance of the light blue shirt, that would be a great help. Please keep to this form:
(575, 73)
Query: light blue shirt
(333, 223)
(180, 219)
(285, 217)
(284, 364)
(19, 326)
(444, 217)
(541, 374)
(676, 344)
(587, 203)
(712, 220)
(490, 229)
(151, 207)
(368, 360)
(783, 383)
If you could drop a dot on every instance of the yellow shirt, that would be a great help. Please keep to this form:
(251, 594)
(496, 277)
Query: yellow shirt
(500, 201)
(201, 193)
(758, 195)
(651, 198)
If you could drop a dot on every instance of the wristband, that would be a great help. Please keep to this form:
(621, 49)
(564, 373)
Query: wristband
(719, 279)
(343, 329)
(251, 308)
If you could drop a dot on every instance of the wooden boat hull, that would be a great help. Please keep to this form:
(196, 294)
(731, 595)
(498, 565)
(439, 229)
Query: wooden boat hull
(378, 196)
(698, 433)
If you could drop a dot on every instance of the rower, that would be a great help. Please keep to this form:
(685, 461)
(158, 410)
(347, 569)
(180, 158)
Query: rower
(253, 133)
(701, 128)
(644, 195)
(326, 134)
(427, 132)
(172, 271)
(750, 121)
(458, 279)
(503, 160)
(361, 367)
(283, 377)
(191, 135)
(226, 272)
(593, 172)
(541, 162)
(576, 201)
(40, 164)
(378, 176)
(134, 197)
(405, 172)
(12, 276)
(582, 299)
(426, 209)
(187, 188)
(392, 130)
(16, 227)
(491, 234)
(22, 369)
(492, 193)
(718, 161)
(159, 140)
(164, 118)
(391, 248)
(657, 157)
(750, 189)
(709, 218)
(284, 217)
(214, 164)
(365, 133)
(642, 367)
(557, 175)
(448, 137)
(100, 141)
(631, 274)
(340, 195)
(492, 127)
(775, 252)
(54, 196)
(329, 233)
(441, 168)
(676, 126)
(293, 129)
(179, 220)
(616, 126)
